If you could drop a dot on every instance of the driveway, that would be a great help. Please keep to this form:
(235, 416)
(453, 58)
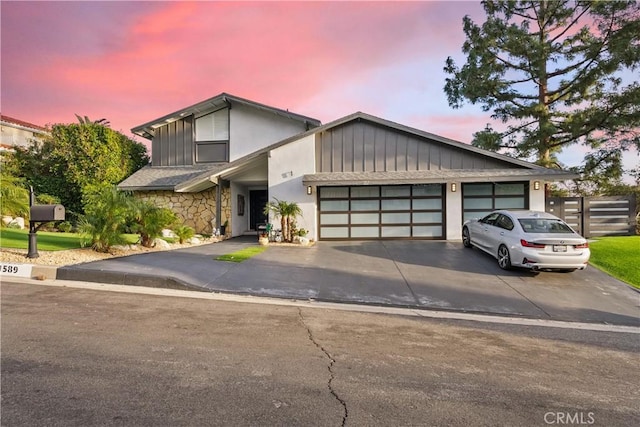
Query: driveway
(417, 274)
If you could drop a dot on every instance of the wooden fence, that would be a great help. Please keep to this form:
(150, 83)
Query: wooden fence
(596, 216)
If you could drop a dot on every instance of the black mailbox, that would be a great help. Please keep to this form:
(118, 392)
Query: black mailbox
(46, 213)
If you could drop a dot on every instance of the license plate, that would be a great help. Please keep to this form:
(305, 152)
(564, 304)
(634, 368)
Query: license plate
(559, 248)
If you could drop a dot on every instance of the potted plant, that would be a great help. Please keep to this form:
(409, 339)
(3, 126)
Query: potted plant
(263, 239)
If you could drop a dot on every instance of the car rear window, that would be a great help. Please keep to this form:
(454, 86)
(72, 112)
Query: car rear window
(544, 225)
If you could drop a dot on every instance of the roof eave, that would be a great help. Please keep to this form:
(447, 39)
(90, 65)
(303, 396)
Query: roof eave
(220, 101)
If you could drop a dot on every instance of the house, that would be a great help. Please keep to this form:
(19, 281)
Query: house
(358, 177)
(18, 133)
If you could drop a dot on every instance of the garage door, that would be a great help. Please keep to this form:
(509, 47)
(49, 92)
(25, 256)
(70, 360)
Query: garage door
(381, 212)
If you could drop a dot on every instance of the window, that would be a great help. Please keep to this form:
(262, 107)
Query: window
(212, 137)
(213, 126)
(505, 222)
(544, 225)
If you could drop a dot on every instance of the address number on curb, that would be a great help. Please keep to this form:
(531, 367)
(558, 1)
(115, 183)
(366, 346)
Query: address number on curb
(18, 270)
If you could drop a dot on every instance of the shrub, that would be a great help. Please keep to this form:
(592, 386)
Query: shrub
(184, 233)
(64, 227)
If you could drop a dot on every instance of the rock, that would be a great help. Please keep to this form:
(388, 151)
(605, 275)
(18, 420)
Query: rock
(7, 219)
(304, 241)
(194, 241)
(17, 222)
(168, 233)
(159, 243)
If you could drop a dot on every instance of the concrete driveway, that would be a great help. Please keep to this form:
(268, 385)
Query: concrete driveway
(418, 274)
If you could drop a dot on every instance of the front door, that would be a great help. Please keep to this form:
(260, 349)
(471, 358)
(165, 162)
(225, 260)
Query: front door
(258, 199)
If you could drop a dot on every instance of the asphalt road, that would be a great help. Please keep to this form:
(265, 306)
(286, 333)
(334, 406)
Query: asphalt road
(79, 357)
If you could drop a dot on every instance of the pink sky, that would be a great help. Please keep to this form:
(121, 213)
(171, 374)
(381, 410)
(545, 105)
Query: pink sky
(131, 62)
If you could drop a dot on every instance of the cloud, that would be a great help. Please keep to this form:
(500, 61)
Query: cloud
(133, 61)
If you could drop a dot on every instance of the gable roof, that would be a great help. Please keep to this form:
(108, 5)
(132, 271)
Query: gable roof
(525, 169)
(223, 100)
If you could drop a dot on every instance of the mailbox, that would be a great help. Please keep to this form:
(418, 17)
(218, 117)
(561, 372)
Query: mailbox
(46, 213)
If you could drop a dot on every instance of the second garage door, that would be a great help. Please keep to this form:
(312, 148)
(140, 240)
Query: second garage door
(382, 212)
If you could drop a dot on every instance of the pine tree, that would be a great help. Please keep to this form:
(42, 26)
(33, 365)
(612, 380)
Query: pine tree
(557, 73)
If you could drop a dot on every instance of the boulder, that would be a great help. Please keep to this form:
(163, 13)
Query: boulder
(168, 233)
(17, 222)
(159, 243)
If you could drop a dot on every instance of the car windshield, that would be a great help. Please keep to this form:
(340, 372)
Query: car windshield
(544, 225)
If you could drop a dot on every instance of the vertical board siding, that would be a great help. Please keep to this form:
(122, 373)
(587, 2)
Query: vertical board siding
(173, 144)
(361, 146)
(173, 131)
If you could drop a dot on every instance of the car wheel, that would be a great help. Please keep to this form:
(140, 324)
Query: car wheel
(504, 259)
(466, 238)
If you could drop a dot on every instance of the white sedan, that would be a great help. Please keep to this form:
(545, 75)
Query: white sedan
(535, 240)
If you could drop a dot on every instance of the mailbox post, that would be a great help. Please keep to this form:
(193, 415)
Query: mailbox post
(40, 214)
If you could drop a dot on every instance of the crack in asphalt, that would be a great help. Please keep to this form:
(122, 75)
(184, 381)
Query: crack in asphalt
(406, 282)
(332, 361)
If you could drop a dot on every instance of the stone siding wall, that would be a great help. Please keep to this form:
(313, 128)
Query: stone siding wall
(196, 210)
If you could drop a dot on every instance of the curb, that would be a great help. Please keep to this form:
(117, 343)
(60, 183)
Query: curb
(128, 279)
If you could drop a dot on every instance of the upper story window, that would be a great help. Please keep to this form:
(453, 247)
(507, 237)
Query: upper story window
(212, 137)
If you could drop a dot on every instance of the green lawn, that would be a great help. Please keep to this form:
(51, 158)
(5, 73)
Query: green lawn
(47, 241)
(618, 256)
(242, 255)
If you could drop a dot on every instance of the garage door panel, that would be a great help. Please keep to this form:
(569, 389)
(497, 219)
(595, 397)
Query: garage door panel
(394, 231)
(427, 217)
(365, 232)
(365, 218)
(365, 205)
(427, 204)
(396, 205)
(331, 219)
(427, 231)
(334, 232)
(396, 218)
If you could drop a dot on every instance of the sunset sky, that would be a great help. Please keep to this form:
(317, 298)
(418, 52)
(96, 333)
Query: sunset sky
(131, 62)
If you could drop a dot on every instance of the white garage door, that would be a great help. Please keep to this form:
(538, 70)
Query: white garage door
(382, 212)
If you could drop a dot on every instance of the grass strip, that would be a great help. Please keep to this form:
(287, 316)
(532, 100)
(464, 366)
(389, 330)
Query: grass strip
(242, 254)
(618, 256)
(11, 238)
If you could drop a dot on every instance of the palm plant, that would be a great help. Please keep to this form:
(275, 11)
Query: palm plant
(149, 221)
(106, 213)
(292, 210)
(287, 213)
(14, 199)
(184, 233)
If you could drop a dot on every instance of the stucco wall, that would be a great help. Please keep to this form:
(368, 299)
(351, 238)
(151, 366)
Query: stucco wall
(453, 212)
(537, 200)
(287, 165)
(196, 210)
(251, 129)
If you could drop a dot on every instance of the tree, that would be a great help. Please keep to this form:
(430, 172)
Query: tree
(554, 72)
(77, 158)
